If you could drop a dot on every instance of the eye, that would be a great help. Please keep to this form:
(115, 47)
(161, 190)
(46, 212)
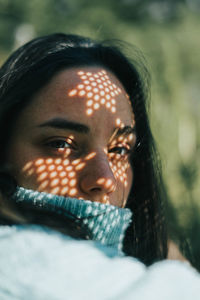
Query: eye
(121, 150)
(61, 144)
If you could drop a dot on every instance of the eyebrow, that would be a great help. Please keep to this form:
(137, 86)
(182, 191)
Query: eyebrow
(123, 131)
(60, 123)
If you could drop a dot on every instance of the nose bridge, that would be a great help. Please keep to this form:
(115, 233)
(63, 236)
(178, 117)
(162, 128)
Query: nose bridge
(100, 167)
(98, 176)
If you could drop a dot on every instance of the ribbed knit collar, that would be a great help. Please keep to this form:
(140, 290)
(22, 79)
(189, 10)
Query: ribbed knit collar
(106, 223)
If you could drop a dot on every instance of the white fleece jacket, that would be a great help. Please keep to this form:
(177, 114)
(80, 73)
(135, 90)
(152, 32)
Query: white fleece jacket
(37, 263)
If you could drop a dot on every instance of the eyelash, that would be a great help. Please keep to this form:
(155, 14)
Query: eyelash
(68, 142)
(117, 149)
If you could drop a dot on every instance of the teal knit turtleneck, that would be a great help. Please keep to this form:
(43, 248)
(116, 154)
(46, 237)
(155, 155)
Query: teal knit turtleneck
(106, 223)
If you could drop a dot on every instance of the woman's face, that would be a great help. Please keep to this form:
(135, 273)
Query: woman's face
(75, 138)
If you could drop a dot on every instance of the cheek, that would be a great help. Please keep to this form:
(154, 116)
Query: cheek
(124, 182)
(57, 176)
(123, 174)
(17, 157)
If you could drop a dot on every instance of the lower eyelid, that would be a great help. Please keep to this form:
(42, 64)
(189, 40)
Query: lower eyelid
(53, 145)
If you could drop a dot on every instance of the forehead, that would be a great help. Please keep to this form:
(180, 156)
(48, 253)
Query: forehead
(89, 94)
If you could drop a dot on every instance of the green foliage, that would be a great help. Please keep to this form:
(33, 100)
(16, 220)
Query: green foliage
(168, 34)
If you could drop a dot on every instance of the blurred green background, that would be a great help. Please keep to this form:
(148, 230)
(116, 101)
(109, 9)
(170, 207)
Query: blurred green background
(167, 31)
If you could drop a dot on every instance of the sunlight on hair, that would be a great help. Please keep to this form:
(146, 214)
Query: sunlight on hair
(99, 90)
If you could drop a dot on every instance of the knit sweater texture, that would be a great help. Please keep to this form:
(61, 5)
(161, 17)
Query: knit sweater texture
(105, 223)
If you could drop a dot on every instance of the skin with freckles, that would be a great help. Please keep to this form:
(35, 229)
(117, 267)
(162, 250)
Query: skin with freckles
(75, 138)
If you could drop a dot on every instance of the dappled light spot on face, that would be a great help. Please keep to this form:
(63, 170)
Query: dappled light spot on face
(98, 89)
(55, 190)
(51, 167)
(76, 162)
(41, 168)
(72, 192)
(49, 161)
(130, 137)
(107, 183)
(30, 172)
(119, 123)
(73, 93)
(43, 185)
(54, 182)
(39, 162)
(57, 175)
(90, 156)
(53, 174)
(106, 199)
(101, 180)
(42, 176)
(119, 162)
(120, 170)
(27, 166)
(80, 166)
(72, 182)
(89, 111)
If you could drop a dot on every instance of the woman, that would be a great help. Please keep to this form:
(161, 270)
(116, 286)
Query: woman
(74, 126)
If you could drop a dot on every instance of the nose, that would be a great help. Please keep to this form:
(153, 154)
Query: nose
(98, 180)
